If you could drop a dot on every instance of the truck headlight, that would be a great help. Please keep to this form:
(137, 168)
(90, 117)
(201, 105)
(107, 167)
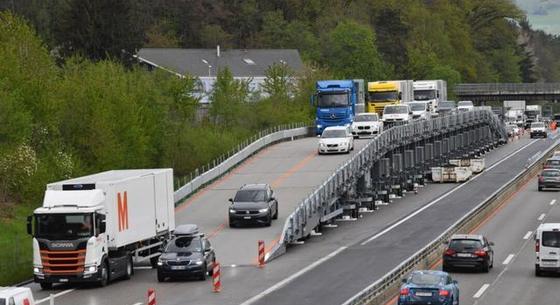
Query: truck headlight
(90, 269)
(319, 126)
(263, 210)
(37, 270)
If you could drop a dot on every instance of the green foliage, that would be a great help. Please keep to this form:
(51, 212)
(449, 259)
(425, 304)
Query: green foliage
(279, 82)
(351, 52)
(228, 98)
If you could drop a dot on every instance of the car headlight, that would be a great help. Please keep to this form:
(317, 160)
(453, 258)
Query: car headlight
(343, 143)
(198, 263)
(263, 210)
(160, 263)
(232, 211)
(321, 144)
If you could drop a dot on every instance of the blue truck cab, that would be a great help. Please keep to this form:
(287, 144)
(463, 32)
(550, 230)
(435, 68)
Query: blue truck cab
(336, 103)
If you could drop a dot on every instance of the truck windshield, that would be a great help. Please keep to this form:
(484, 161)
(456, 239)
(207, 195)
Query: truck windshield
(64, 226)
(395, 110)
(424, 95)
(531, 113)
(184, 244)
(337, 99)
(366, 118)
(417, 106)
(2, 301)
(383, 96)
(551, 239)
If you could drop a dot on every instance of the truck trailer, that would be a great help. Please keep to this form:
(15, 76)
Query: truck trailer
(93, 228)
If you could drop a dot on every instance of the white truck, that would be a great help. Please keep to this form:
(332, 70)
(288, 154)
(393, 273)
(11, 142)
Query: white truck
(533, 113)
(406, 90)
(515, 112)
(431, 92)
(92, 228)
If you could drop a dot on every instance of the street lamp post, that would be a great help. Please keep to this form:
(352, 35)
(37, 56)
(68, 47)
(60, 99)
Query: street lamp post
(209, 67)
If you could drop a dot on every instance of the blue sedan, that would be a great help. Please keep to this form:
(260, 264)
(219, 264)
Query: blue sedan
(429, 287)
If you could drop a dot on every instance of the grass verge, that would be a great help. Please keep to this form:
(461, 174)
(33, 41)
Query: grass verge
(16, 255)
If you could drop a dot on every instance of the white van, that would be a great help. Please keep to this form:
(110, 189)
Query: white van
(547, 248)
(16, 296)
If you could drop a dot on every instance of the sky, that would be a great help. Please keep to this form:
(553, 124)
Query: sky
(542, 14)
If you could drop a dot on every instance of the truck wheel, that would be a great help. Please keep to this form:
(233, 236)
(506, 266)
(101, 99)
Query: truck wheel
(46, 286)
(104, 275)
(129, 269)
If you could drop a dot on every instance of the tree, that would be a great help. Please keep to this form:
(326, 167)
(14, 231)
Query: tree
(228, 98)
(100, 29)
(279, 82)
(351, 52)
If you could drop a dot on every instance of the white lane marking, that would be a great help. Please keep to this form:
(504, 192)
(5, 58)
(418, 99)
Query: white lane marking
(528, 235)
(139, 303)
(481, 291)
(553, 202)
(55, 296)
(508, 259)
(292, 277)
(543, 215)
(398, 223)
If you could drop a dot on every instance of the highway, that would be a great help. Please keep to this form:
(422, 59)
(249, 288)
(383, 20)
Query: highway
(294, 169)
(512, 280)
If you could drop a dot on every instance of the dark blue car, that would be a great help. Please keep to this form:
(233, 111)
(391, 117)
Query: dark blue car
(429, 287)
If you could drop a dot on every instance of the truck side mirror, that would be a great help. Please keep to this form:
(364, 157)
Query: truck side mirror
(400, 95)
(313, 100)
(29, 225)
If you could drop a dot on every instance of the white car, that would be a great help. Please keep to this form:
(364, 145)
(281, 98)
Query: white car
(336, 139)
(16, 296)
(465, 106)
(396, 113)
(420, 110)
(547, 242)
(366, 125)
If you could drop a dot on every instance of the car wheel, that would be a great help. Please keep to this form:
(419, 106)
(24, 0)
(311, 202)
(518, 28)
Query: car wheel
(276, 213)
(46, 286)
(445, 268)
(486, 267)
(204, 273)
(211, 272)
(538, 271)
(160, 277)
(268, 220)
(129, 269)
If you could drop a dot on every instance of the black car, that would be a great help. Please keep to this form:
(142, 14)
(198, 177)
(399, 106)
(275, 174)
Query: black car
(549, 178)
(253, 203)
(186, 255)
(469, 251)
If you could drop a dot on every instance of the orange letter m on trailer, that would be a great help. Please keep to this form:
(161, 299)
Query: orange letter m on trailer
(122, 209)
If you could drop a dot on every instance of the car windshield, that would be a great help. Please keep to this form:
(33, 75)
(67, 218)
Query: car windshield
(333, 133)
(366, 118)
(63, 226)
(551, 173)
(184, 244)
(537, 125)
(250, 195)
(551, 239)
(335, 99)
(446, 105)
(383, 96)
(421, 278)
(395, 109)
(417, 106)
(465, 103)
(552, 163)
(465, 244)
(424, 95)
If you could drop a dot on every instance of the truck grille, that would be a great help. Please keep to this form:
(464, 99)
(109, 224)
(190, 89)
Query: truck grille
(63, 262)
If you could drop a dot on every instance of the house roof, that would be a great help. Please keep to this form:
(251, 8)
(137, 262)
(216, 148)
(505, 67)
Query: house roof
(242, 63)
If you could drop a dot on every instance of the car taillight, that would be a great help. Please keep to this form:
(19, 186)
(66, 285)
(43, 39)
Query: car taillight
(443, 293)
(537, 246)
(480, 253)
(449, 252)
(404, 291)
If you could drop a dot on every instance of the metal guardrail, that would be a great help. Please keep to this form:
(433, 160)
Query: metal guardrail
(309, 213)
(496, 88)
(226, 162)
(387, 286)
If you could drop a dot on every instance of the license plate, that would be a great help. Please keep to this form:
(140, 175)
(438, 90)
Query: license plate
(63, 280)
(247, 217)
(464, 255)
(424, 294)
(178, 267)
